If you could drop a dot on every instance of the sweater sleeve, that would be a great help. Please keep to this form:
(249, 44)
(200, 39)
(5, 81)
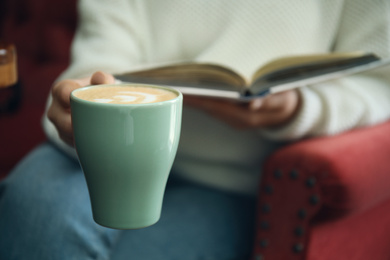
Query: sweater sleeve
(355, 101)
(91, 50)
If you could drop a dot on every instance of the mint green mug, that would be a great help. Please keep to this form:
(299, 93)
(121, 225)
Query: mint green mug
(126, 151)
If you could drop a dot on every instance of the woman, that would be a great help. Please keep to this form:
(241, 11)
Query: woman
(209, 202)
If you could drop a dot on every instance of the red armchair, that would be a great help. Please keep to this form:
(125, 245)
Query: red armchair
(327, 198)
(323, 198)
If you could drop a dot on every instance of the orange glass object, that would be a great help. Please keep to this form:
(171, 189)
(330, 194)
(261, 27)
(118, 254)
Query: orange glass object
(9, 84)
(8, 65)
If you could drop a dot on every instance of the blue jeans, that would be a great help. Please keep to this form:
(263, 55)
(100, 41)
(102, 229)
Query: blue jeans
(45, 214)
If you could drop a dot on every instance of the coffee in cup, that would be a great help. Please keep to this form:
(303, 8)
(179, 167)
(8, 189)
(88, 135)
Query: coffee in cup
(125, 94)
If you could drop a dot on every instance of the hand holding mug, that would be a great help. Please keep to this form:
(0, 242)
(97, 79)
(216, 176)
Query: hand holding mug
(59, 110)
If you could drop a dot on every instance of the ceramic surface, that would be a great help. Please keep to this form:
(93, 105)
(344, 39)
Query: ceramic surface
(126, 153)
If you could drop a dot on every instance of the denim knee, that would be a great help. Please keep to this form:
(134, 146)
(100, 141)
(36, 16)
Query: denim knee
(45, 211)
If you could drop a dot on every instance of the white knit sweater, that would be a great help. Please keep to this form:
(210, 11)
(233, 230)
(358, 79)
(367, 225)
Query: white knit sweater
(118, 35)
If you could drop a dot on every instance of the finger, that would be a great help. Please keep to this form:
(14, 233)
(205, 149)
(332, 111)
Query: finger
(83, 81)
(273, 102)
(62, 121)
(61, 92)
(276, 111)
(66, 133)
(232, 113)
(278, 101)
(239, 116)
(100, 77)
(255, 104)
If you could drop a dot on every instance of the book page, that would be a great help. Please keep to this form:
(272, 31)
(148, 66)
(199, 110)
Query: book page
(293, 61)
(188, 73)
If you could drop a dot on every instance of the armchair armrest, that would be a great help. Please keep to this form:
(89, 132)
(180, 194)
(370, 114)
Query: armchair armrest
(318, 179)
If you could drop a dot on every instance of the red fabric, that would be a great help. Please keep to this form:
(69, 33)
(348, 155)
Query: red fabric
(42, 32)
(352, 180)
(359, 236)
(354, 167)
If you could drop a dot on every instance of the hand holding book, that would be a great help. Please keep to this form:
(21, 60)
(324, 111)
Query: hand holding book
(270, 111)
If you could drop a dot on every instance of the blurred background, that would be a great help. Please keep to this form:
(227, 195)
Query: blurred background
(41, 31)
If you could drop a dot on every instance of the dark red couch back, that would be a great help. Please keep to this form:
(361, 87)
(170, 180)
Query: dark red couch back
(42, 31)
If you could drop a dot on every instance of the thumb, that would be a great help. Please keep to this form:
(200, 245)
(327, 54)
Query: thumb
(255, 104)
(100, 77)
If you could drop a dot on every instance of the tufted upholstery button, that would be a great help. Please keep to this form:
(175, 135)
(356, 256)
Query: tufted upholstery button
(294, 175)
(278, 174)
(264, 225)
(302, 213)
(263, 243)
(310, 182)
(299, 231)
(314, 200)
(266, 208)
(269, 189)
(259, 257)
(297, 248)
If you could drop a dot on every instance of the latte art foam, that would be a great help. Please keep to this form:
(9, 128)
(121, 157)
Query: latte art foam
(125, 94)
(128, 97)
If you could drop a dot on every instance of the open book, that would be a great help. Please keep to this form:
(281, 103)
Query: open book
(213, 80)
